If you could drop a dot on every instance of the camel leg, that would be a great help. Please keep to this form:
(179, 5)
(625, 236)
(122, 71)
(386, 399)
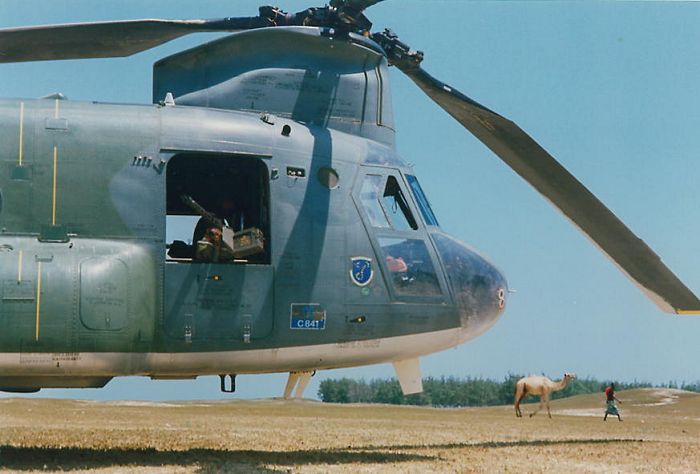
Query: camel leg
(518, 398)
(518, 413)
(548, 412)
(521, 396)
(538, 408)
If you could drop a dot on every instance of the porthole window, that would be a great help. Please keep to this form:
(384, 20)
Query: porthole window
(328, 177)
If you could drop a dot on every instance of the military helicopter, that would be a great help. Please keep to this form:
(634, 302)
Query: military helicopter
(350, 267)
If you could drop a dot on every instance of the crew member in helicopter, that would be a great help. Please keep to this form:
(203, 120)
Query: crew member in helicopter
(233, 214)
(208, 238)
(399, 269)
(210, 248)
(396, 264)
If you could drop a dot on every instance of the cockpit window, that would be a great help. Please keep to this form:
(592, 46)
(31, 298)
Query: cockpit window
(369, 196)
(422, 201)
(388, 209)
(409, 266)
(395, 204)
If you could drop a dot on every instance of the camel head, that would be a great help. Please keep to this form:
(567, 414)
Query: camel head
(568, 376)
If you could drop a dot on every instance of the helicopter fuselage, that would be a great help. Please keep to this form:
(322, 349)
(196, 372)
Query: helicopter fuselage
(89, 292)
(99, 253)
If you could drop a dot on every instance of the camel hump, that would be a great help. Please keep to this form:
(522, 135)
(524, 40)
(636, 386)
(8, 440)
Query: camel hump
(534, 380)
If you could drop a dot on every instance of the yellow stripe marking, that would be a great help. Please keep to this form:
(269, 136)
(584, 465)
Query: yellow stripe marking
(53, 206)
(19, 267)
(38, 299)
(55, 154)
(690, 311)
(21, 130)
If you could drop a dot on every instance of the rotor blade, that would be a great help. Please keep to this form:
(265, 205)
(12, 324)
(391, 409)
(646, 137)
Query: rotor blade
(111, 39)
(564, 191)
(105, 39)
(358, 5)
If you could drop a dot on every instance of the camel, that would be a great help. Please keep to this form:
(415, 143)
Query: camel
(539, 385)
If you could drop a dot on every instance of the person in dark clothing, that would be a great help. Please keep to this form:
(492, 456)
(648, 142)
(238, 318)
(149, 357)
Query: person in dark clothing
(610, 399)
(211, 249)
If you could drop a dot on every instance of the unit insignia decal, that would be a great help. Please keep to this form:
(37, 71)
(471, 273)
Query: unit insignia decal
(307, 316)
(362, 271)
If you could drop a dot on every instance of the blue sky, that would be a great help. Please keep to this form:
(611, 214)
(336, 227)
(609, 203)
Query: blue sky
(608, 88)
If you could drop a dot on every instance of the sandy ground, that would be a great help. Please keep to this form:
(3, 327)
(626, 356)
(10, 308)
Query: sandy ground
(660, 433)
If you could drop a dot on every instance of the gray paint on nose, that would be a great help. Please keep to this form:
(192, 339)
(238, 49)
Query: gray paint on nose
(478, 287)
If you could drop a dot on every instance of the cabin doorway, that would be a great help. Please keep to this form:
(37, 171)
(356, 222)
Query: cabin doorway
(216, 294)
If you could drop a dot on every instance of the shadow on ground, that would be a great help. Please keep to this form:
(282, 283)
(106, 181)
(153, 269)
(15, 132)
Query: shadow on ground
(206, 460)
(212, 460)
(502, 444)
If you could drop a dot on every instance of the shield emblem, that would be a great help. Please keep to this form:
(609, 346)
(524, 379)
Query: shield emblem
(361, 271)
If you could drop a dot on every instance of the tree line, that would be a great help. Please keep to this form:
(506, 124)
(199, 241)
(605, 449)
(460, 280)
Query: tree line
(458, 392)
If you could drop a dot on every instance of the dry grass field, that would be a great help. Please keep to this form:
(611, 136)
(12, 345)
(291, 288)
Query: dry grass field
(660, 433)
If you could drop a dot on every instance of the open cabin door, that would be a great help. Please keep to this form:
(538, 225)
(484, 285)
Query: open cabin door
(216, 298)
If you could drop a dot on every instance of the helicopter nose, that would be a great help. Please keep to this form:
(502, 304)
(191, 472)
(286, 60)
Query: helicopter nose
(479, 288)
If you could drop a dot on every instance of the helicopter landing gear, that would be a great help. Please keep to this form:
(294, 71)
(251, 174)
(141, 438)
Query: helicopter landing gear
(300, 380)
(231, 386)
(409, 374)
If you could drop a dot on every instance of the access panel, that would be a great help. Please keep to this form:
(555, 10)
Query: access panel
(214, 306)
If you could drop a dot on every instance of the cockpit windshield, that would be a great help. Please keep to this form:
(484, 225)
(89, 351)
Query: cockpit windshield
(422, 201)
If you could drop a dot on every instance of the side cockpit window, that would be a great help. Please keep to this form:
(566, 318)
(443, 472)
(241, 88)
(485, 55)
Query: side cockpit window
(369, 196)
(397, 207)
(410, 266)
(385, 204)
(401, 244)
(423, 204)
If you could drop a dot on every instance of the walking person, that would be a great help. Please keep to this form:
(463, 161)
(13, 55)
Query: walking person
(610, 399)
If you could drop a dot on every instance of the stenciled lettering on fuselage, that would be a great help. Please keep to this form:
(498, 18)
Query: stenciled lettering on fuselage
(307, 316)
(361, 271)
